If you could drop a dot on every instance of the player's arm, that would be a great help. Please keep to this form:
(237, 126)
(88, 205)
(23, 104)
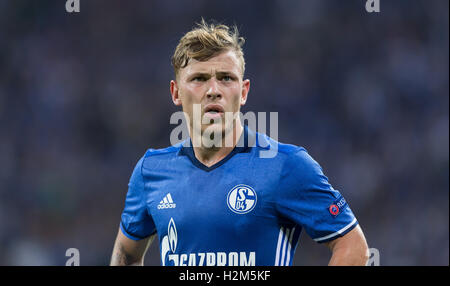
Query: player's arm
(128, 252)
(350, 249)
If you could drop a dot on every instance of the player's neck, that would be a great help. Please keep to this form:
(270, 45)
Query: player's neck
(209, 156)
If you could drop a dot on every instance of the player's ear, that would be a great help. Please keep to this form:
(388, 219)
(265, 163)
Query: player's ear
(174, 92)
(245, 90)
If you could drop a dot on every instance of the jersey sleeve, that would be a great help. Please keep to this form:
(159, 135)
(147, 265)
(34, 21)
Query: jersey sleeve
(306, 198)
(136, 223)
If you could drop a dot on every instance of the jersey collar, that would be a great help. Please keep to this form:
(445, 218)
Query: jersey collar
(244, 145)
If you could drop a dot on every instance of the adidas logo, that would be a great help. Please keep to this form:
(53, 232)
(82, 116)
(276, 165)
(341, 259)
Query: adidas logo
(167, 203)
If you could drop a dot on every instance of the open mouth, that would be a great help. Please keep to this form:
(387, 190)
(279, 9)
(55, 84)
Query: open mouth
(213, 110)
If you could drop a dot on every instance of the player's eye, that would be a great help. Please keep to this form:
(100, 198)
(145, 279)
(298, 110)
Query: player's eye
(227, 78)
(199, 78)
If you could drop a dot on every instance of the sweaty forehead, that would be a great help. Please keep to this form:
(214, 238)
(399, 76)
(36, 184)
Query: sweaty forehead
(223, 62)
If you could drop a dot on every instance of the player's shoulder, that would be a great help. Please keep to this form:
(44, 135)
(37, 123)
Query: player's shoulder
(163, 151)
(263, 141)
(299, 168)
(155, 156)
(293, 156)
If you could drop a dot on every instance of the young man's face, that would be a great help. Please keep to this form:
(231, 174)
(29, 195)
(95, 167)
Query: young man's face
(216, 85)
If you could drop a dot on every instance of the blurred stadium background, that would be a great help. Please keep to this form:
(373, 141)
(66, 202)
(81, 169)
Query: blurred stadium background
(82, 96)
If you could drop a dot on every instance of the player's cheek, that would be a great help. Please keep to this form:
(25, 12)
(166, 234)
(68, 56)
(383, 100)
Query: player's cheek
(237, 101)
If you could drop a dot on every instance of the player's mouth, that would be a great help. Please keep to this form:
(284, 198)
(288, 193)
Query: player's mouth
(213, 111)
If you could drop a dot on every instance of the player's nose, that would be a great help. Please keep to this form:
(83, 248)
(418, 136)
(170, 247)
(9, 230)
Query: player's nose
(213, 89)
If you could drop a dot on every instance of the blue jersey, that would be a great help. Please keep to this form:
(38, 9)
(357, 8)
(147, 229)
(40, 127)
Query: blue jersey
(247, 209)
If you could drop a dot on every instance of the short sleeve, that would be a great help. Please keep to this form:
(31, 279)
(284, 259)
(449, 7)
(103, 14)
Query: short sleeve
(306, 198)
(136, 222)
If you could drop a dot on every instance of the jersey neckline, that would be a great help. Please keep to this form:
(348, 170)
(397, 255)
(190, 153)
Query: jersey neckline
(243, 146)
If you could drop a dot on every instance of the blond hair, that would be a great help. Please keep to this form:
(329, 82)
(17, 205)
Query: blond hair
(206, 41)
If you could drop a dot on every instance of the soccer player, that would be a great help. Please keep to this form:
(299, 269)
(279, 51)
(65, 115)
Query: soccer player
(226, 204)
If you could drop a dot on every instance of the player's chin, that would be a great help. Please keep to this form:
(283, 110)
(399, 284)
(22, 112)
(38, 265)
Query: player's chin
(219, 125)
(213, 127)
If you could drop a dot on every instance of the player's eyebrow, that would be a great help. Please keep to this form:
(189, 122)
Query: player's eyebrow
(223, 73)
(208, 75)
(199, 74)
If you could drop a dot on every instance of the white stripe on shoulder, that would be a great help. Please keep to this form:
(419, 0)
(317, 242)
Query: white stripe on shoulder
(337, 232)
